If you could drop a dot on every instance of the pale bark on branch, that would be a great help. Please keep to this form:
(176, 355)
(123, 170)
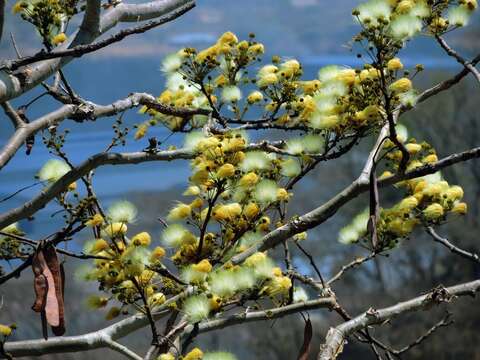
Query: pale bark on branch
(13, 85)
(328, 209)
(84, 111)
(470, 66)
(246, 317)
(104, 338)
(38, 202)
(83, 49)
(336, 336)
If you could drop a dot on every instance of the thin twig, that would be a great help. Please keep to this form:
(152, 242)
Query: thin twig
(451, 247)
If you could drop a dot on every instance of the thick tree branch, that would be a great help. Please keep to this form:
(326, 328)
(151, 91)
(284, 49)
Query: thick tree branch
(31, 207)
(91, 20)
(103, 338)
(245, 317)
(80, 50)
(85, 111)
(328, 209)
(13, 85)
(336, 337)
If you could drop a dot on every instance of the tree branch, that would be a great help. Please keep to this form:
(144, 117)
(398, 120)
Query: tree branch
(336, 337)
(246, 317)
(349, 266)
(29, 208)
(94, 340)
(451, 247)
(12, 115)
(328, 209)
(13, 85)
(122, 349)
(444, 322)
(80, 50)
(85, 111)
(468, 65)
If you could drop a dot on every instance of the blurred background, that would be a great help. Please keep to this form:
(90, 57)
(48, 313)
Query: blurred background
(317, 33)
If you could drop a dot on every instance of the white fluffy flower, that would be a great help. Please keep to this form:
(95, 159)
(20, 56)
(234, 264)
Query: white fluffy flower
(190, 275)
(313, 143)
(244, 278)
(360, 222)
(299, 295)
(174, 235)
(222, 283)
(295, 146)
(171, 63)
(255, 160)
(421, 9)
(458, 16)
(196, 308)
(348, 235)
(325, 104)
(176, 82)
(266, 191)
(373, 10)
(250, 238)
(334, 88)
(192, 139)
(433, 178)
(328, 73)
(290, 168)
(321, 121)
(409, 98)
(402, 132)
(122, 211)
(53, 170)
(405, 27)
(231, 94)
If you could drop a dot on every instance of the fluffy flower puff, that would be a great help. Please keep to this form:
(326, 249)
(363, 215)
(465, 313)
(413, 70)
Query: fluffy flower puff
(122, 211)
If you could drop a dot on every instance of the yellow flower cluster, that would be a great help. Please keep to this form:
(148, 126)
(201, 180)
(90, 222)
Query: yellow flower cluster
(400, 20)
(428, 199)
(124, 266)
(230, 187)
(47, 17)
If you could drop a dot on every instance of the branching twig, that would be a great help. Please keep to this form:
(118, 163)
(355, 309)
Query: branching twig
(349, 266)
(335, 338)
(470, 66)
(451, 247)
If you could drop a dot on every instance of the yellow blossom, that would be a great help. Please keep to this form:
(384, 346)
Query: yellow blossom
(195, 354)
(226, 171)
(5, 330)
(203, 266)
(460, 208)
(142, 239)
(433, 211)
(394, 64)
(402, 85)
(254, 97)
(59, 38)
(115, 229)
(95, 220)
